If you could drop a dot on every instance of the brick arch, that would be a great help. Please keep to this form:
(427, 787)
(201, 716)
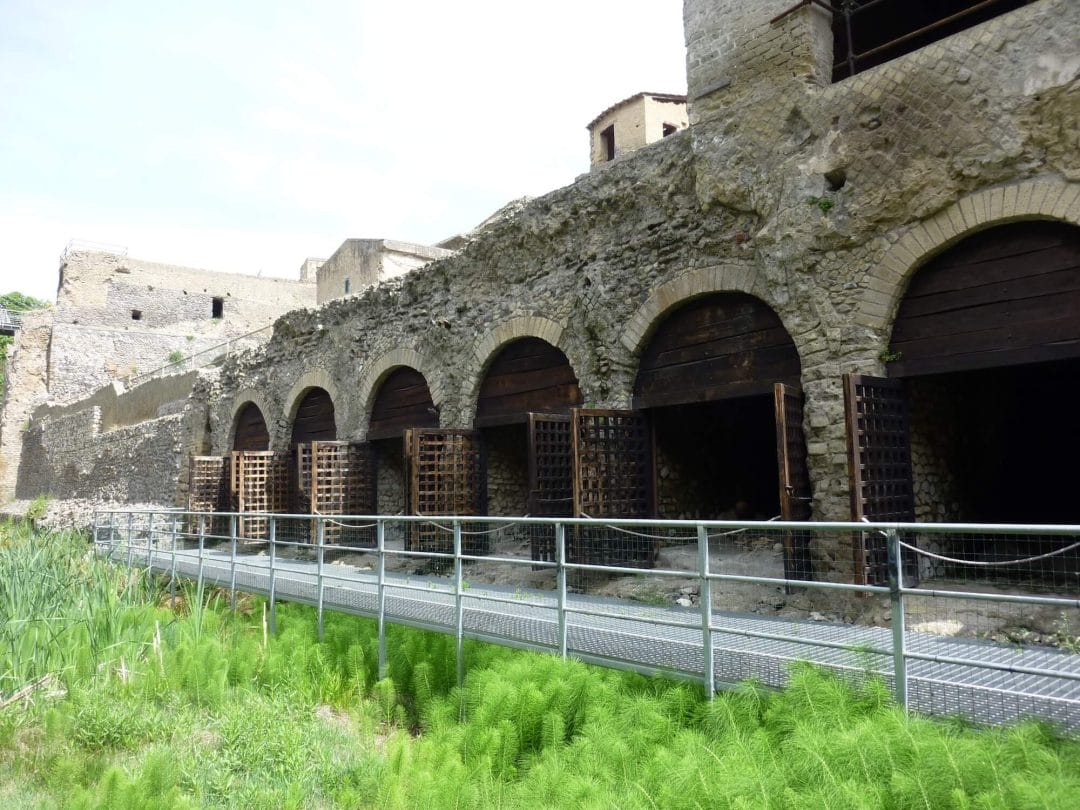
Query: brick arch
(385, 363)
(492, 342)
(672, 294)
(1047, 199)
(317, 378)
(240, 400)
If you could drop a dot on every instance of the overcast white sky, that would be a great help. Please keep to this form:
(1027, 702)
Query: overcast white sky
(247, 136)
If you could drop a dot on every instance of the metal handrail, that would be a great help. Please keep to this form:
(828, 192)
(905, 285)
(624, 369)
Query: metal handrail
(188, 363)
(129, 536)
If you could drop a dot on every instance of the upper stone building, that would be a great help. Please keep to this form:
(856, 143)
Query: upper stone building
(633, 123)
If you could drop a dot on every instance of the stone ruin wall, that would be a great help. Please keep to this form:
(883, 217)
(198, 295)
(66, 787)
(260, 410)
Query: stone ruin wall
(819, 199)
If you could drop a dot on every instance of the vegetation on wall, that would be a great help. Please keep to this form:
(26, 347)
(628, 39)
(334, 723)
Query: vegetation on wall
(114, 696)
(14, 302)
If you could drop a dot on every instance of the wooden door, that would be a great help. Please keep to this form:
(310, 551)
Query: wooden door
(445, 476)
(795, 493)
(551, 475)
(879, 466)
(613, 477)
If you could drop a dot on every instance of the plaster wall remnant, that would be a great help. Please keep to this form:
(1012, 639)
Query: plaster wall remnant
(633, 123)
(821, 200)
(360, 263)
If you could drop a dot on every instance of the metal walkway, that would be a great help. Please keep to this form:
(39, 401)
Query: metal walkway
(628, 635)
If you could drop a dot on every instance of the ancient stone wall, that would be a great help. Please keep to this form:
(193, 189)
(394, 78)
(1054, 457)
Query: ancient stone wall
(821, 200)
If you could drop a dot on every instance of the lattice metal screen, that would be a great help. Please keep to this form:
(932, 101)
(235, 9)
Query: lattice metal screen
(795, 493)
(613, 477)
(339, 478)
(260, 480)
(445, 476)
(879, 465)
(208, 490)
(551, 475)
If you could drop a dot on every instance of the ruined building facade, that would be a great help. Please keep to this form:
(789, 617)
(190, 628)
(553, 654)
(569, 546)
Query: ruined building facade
(913, 222)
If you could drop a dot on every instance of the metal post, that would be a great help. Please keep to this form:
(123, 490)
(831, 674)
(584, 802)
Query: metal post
(319, 532)
(112, 533)
(896, 598)
(172, 566)
(202, 546)
(130, 549)
(149, 551)
(380, 544)
(705, 603)
(95, 530)
(232, 564)
(459, 648)
(560, 580)
(273, 574)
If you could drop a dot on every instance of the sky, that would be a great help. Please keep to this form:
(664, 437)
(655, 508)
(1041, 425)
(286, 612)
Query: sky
(247, 136)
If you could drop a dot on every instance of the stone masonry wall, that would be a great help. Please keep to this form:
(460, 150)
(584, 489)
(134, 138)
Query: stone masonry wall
(821, 200)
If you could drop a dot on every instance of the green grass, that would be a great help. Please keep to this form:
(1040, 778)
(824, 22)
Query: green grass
(144, 706)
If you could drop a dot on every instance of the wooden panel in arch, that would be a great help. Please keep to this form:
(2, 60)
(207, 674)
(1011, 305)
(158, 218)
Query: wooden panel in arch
(795, 493)
(716, 347)
(527, 375)
(315, 419)
(251, 432)
(403, 401)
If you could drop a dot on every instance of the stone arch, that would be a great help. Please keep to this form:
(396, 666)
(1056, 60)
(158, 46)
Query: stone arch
(384, 364)
(495, 339)
(317, 378)
(1047, 198)
(250, 396)
(690, 285)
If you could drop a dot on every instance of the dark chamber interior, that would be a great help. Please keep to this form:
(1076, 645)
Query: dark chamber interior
(1008, 443)
(720, 459)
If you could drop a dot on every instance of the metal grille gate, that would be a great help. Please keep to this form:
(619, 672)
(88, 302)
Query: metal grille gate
(259, 483)
(208, 489)
(613, 477)
(444, 475)
(879, 466)
(795, 494)
(551, 475)
(338, 478)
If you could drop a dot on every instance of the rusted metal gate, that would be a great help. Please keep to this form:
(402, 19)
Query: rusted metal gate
(551, 475)
(795, 495)
(338, 478)
(444, 475)
(613, 476)
(208, 490)
(259, 483)
(879, 465)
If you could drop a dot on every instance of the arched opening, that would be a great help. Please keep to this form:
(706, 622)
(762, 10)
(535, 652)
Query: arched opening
(403, 402)
(984, 356)
(313, 419)
(719, 381)
(249, 429)
(526, 376)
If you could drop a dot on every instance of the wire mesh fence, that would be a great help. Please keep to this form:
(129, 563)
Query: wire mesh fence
(978, 620)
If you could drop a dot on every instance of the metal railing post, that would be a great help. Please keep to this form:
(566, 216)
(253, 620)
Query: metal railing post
(94, 530)
(560, 580)
(172, 566)
(149, 551)
(319, 534)
(112, 534)
(896, 599)
(272, 536)
(459, 648)
(202, 547)
(380, 544)
(232, 563)
(130, 548)
(705, 603)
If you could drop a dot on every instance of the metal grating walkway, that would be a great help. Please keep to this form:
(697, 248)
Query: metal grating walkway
(664, 639)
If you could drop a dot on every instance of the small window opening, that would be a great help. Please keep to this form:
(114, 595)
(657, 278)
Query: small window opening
(136, 314)
(217, 308)
(348, 286)
(670, 129)
(607, 138)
